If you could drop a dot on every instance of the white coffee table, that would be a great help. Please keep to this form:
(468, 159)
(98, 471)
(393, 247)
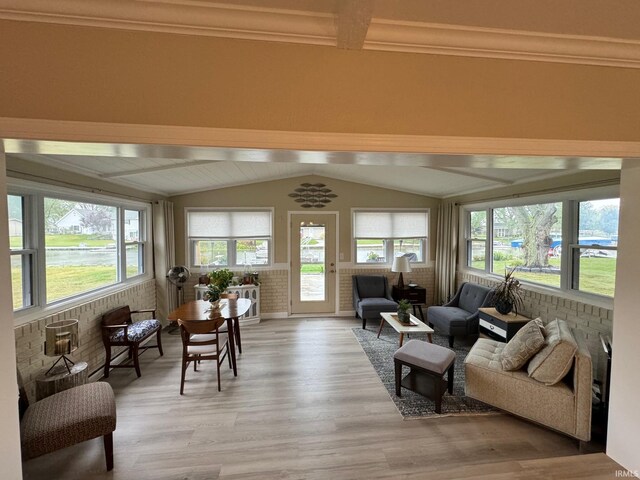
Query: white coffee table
(417, 326)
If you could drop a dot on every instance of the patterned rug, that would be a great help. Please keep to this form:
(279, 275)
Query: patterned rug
(380, 352)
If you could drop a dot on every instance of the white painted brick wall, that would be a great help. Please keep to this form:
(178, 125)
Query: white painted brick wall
(590, 319)
(30, 337)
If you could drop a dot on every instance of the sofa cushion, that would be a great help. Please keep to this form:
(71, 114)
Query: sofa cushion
(472, 297)
(429, 356)
(524, 345)
(554, 360)
(373, 306)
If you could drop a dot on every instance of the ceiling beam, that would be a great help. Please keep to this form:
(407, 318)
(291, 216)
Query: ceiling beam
(352, 23)
(472, 174)
(158, 168)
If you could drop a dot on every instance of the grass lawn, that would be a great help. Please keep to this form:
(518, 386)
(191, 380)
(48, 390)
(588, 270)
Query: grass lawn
(67, 241)
(70, 280)
(311, 268)
(597, 275)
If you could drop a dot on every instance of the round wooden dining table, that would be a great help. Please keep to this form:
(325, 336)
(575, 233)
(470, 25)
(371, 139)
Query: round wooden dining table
(231, 310)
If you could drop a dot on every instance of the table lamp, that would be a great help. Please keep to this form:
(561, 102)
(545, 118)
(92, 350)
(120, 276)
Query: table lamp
(401, 264)
(61, 338)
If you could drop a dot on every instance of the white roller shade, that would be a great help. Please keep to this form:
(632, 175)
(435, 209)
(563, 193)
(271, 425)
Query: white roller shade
(390, 224)
(229, 224)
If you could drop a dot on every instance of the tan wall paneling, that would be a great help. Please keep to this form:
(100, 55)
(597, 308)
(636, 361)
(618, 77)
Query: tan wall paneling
(115, 76)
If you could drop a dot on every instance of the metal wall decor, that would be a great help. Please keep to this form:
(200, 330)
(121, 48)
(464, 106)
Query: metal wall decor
(312, 195)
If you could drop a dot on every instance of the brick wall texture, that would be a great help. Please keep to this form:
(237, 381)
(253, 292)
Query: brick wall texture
(30, 337)
(590, 319)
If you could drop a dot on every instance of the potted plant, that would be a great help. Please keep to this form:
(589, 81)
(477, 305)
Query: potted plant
(403, 311)
(507, 295)
(219, 281)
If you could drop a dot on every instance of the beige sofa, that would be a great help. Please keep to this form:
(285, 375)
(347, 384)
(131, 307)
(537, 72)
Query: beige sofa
(564, 406)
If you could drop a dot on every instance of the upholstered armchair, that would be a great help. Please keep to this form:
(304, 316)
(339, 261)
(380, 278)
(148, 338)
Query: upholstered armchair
(459, 317)
(371, 296)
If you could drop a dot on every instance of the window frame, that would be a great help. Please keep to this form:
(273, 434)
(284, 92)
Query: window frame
(232, 264)
(34, 242)
(389, 247)
(570, 201)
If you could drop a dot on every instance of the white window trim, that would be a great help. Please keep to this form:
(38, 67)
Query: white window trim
(371, 265)
(230, 255)
(568, 227)
(38, 191)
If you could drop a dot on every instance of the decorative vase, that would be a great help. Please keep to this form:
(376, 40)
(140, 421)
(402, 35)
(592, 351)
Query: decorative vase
(203, 279)
(504, 306)
(403, 316)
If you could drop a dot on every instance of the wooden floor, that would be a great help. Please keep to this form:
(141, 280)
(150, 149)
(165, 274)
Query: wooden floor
(306, 404)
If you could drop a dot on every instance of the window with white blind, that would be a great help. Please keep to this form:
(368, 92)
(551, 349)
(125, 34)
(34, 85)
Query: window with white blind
(379, 236)
(229, 238)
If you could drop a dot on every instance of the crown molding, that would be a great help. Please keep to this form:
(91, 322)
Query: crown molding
(501, 43)
(195, 17)
(131, 140)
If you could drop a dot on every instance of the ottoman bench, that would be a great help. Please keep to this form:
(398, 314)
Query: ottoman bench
(428, 363)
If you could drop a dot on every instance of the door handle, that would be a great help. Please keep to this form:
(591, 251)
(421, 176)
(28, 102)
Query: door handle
(332, 264)
(332, 271)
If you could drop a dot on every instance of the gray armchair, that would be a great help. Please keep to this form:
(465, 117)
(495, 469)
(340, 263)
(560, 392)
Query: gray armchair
(459, 317)
(371, 296)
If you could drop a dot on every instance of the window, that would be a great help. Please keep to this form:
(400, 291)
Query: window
(22, 257)
(529, 237)
(477, 239)
(79, 247)
(229, 238)
(380, 236)
(594, 255)
(525, 238)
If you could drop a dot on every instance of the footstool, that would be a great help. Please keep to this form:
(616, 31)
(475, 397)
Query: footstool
(428, 363)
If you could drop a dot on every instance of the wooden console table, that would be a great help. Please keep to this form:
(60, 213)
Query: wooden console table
(417, 296)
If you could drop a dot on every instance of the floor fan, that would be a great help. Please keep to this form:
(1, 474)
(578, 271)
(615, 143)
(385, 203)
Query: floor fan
(178, 276)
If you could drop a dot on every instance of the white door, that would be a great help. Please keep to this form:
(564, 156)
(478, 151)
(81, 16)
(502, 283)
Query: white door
(313, 262)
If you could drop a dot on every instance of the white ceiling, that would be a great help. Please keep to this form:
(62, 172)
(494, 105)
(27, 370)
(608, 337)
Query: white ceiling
(179, 176)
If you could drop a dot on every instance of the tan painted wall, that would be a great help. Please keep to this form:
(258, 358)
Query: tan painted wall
(275, 194)
(106, 75)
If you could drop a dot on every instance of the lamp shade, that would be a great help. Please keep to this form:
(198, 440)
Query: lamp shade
(401, 264)
(61, 337)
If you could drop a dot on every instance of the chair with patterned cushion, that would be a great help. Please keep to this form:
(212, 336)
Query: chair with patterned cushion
(67, 418)
(118, 330)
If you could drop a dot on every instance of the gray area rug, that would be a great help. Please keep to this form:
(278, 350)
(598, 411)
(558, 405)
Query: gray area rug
(380, 352)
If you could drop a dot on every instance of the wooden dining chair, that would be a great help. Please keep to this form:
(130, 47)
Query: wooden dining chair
(202, 340)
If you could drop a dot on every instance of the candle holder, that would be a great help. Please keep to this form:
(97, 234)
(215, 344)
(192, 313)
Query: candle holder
(61, 339)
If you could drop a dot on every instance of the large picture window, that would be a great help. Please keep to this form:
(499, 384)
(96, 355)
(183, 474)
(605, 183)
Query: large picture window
(229, 238)
(532, 238)
(78, 246)
(380, 236)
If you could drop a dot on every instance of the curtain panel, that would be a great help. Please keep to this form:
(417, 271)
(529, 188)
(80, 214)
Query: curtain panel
(164, 257)
(446, 252)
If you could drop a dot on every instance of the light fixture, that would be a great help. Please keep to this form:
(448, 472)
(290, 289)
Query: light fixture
(61, 339)
(401, 264)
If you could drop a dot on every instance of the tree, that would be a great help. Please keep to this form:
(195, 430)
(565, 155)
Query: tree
(54, 210)
(99, 218)
(609, 219)
(536, 222)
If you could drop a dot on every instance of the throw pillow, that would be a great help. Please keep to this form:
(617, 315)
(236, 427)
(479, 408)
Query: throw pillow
(555, 359)
(525, 344)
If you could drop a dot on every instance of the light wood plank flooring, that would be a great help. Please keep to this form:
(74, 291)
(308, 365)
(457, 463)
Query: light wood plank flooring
(306, 404)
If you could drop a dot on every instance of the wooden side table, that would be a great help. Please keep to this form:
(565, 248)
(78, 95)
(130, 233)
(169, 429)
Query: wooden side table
(498, 326)
(417, 296)
(47, 385)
